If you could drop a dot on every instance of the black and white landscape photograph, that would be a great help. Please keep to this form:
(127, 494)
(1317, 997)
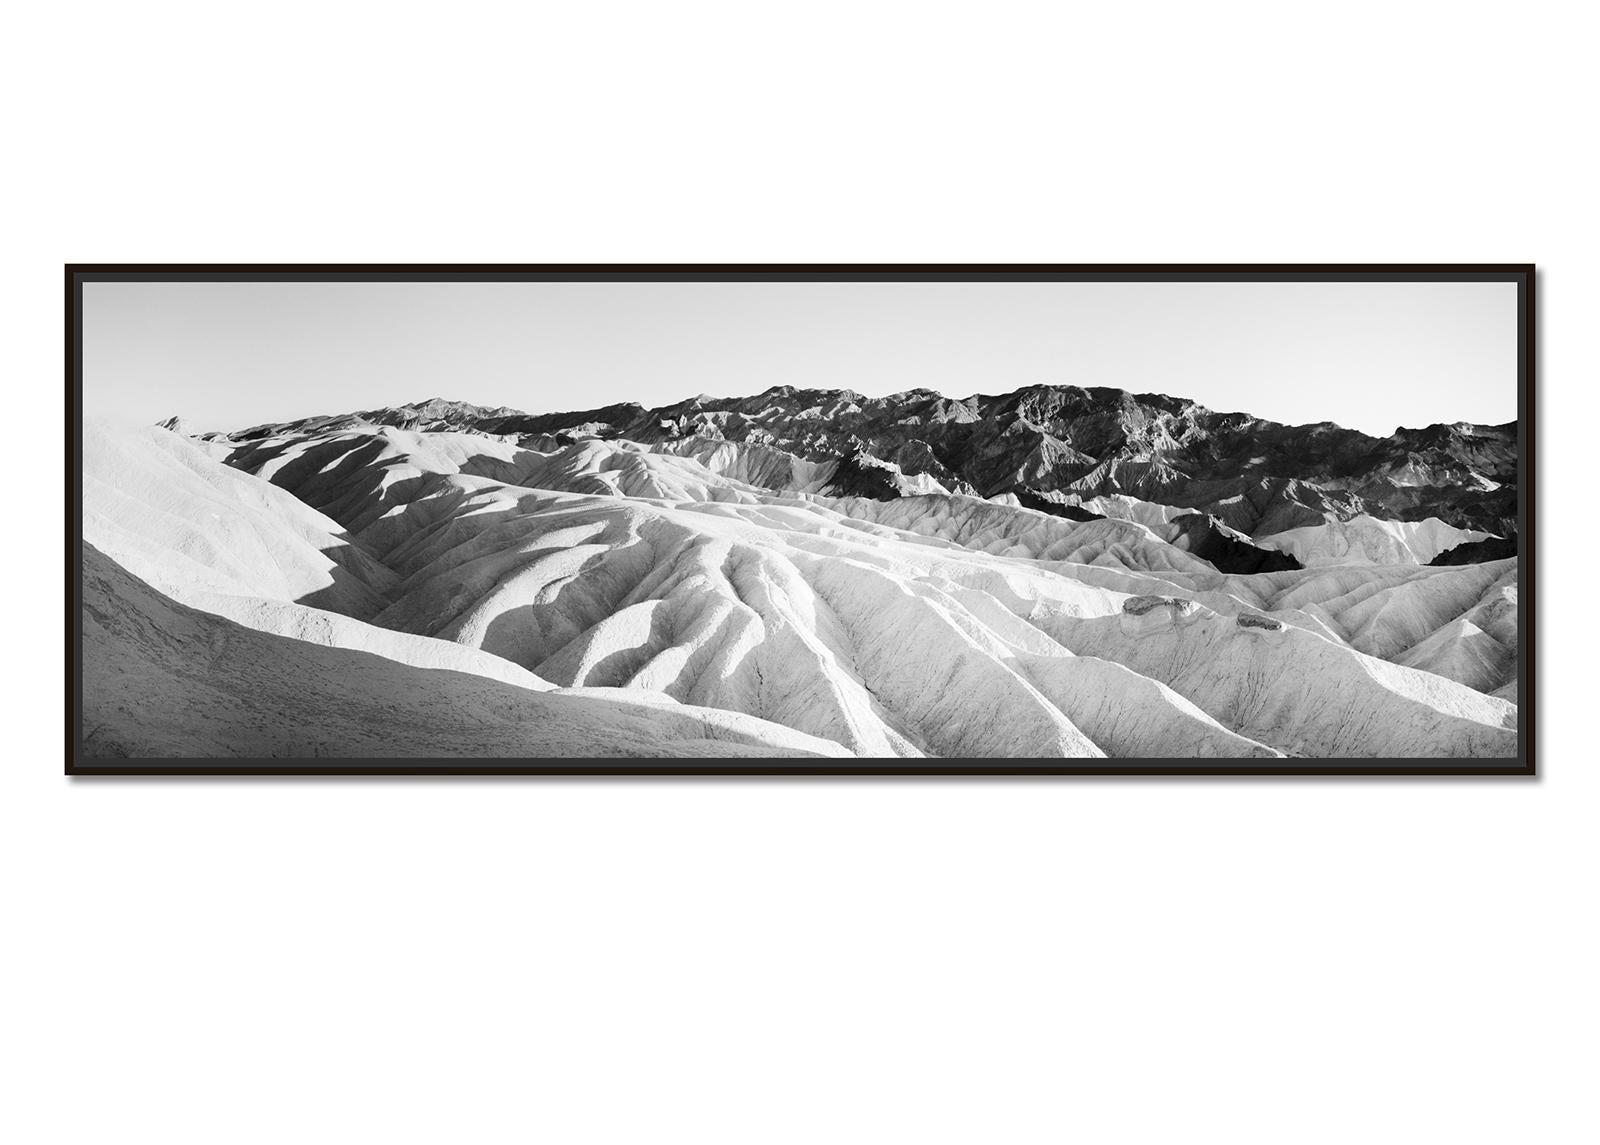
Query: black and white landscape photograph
(912, 522)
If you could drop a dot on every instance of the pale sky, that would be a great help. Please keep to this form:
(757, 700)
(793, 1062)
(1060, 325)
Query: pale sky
(1369, 356)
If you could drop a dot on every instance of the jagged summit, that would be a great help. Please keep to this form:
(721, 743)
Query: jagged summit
(1054, 445)
(436, 412)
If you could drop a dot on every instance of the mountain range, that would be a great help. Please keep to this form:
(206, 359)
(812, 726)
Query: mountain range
(1052, 447)
(1056, 572)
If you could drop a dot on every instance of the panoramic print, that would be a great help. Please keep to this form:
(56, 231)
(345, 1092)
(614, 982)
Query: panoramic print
(915, 524)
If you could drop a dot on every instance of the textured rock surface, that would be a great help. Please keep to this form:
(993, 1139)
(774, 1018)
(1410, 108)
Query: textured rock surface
(1369, 541)
(848, 595)
(857, 619)
(165, 680)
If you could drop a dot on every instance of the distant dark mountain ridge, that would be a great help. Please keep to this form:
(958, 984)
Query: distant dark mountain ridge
(1478, 552)
(1051, 446)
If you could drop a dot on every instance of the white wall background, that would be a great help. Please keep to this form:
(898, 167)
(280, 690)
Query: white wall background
(1240, 962)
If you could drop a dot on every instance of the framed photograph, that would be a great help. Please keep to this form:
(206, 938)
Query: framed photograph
(800, 520)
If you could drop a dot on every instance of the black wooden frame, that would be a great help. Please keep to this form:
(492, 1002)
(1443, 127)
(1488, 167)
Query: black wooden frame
(1524, 275)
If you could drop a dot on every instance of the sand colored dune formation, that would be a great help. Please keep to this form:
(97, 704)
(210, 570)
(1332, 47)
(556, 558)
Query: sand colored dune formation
(1053, 574)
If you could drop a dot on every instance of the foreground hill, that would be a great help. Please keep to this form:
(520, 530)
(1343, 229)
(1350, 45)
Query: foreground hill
(168, 681)
(224, 617)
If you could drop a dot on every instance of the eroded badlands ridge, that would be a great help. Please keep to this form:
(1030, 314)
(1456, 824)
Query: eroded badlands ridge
(1050, 446)
(732, 593)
